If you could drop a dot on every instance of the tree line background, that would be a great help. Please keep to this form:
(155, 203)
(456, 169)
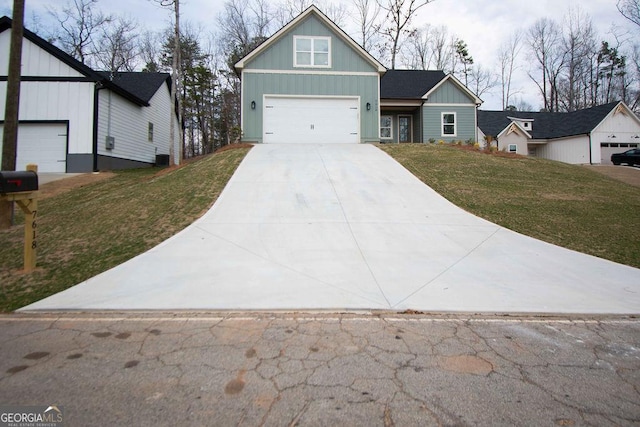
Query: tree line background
(572, 66)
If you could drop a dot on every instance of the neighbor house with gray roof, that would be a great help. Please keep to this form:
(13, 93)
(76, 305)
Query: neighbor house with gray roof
(587, 136)
(312, 83)
(75, 119)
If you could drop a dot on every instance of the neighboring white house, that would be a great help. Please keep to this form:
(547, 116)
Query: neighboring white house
(75, 119)
(586, 136)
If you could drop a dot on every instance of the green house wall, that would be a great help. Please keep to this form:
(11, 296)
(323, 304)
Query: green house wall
(465, 118)
(272, 72)
(257, 85)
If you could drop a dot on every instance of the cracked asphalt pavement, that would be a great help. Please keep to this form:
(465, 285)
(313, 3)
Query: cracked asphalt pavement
(322, 369)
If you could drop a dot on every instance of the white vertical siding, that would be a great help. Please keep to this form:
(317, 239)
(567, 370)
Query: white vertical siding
(46, 101)
(129, 126)
(35, 61)
(574, 150)
(624, 127)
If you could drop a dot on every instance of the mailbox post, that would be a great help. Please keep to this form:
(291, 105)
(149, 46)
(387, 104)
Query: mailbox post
(22, 188)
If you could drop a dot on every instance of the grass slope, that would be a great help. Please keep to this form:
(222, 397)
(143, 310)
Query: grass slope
(563, 204)
(88, 230)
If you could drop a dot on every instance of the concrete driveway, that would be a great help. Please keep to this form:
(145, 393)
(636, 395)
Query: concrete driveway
(346, 227)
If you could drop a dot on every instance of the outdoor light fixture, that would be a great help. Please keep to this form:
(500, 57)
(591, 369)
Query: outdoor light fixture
(253, 105)
(368, 106)
(611, 136)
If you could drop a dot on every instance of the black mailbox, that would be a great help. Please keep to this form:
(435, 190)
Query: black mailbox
(14, 182)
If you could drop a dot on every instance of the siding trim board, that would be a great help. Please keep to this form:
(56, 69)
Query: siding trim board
(309, 72)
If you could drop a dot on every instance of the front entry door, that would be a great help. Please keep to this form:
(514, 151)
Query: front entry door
(404, 129)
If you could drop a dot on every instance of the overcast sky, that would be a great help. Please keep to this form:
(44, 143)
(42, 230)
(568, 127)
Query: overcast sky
(482, 24)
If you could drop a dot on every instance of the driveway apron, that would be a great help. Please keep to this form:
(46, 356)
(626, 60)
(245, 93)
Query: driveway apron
(345, 227)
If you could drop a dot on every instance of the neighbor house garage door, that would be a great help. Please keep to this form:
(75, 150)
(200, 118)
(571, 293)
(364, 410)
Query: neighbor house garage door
(311, 120)
(44, 144)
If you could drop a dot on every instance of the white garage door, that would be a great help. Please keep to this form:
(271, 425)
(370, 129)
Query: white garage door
(44, 144)
(311, 120)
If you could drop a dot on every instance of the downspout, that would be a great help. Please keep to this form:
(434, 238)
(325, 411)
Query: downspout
(590, 148)
(96, 102)
(422, 123)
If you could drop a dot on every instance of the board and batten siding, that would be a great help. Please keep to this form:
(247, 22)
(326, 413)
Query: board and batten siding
(257, 85)
(279, 56)
(57, 101)
(573, 150)
(35, 60)
(62, 100)
(449, 98)
(130, 125)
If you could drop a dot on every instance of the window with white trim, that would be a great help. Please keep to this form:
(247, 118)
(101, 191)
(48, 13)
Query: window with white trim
(449, 124)
(513, 148)
(386, 127)
(312, 51)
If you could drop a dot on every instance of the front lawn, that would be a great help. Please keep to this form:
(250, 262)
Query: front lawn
(568, 205)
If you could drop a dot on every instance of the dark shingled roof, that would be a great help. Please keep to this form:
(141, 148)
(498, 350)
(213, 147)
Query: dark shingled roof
(547, 125)
(142, 85)
(409, 84)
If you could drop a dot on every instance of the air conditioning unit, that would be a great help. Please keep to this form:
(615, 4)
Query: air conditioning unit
(109, 143)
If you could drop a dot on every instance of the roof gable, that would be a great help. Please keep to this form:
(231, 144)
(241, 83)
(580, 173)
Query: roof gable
(314, 12)
(451, 79)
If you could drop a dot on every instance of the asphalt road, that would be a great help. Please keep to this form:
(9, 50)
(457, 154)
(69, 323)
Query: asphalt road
(320, 369)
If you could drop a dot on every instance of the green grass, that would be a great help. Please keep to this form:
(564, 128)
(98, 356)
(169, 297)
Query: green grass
(564, 204)
(90, 229)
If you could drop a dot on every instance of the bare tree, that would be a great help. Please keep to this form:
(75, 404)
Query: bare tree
(118, 46)
(79, 22)
(366, 17)
(418, 54)
(175, 5)
(482, 80)
(149, 46)
(544, 39)
(630, 9)
(10, 128)
(507, 57)
(399, 14)
(442, 46)
(579, 42)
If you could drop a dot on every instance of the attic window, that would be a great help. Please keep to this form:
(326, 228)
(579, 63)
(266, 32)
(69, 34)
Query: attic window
(312, 51)
(527, 125)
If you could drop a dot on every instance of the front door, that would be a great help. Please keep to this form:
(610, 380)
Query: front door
(404, 129)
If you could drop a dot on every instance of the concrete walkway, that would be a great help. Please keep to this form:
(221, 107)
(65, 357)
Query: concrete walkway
(346, 227)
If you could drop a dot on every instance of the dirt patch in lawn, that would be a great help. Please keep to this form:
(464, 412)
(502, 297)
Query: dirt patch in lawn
(627, 174)
(60, 186)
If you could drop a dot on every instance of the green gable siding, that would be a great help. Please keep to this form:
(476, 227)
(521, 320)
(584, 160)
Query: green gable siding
(279, 56)
(465, 120)
(256, 85)
(449, 93)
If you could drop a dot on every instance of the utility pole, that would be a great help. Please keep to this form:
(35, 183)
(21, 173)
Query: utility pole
(10, 131)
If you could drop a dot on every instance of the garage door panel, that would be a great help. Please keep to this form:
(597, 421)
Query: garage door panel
(44, 144)
(311, 120)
